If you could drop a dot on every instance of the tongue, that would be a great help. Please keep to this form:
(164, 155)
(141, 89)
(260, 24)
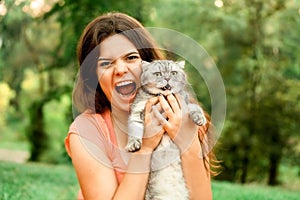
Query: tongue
(126, 89)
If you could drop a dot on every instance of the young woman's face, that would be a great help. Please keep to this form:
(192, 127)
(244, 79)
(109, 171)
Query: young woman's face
(118, 70)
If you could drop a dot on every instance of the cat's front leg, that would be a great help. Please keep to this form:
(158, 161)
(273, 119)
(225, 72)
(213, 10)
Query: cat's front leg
(133, 144)
(135, 130)
(197, 114)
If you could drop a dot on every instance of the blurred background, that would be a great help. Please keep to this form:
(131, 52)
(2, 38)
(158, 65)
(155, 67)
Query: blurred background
(254, 43)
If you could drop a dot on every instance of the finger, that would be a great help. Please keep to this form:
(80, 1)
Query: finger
(159, 116)
(182, 103)
(159, 108)
(174, 103)
(162, 119)
(150, 103)
(148, 108)
(165, 106)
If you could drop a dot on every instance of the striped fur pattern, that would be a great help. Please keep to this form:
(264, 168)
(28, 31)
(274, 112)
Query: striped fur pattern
(162, 77)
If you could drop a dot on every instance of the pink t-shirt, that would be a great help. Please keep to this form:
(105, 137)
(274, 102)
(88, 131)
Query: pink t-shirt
(97, 135)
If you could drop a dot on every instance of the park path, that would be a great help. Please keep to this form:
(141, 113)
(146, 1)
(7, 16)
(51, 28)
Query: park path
(18, 156)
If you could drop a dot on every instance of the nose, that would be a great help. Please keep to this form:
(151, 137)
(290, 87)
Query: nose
(120, 67)
(167, 77)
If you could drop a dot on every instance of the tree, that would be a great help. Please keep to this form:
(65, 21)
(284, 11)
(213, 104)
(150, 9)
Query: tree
(254, 44)
(37, 50)
(43, 43)
(258, 116)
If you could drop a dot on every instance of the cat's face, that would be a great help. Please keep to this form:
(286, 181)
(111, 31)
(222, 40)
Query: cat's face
(163, 77)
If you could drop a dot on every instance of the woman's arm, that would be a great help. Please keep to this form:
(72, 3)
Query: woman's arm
(185, 135)
(196, 172)
(98, 181)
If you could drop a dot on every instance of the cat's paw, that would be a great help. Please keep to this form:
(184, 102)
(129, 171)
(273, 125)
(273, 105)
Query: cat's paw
(198, 118)
(134, 144)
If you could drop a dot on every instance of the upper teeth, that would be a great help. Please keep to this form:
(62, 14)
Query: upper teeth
(124, 83)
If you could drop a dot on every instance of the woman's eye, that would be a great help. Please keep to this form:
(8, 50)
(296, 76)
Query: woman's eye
(105, 64)
(133, 57)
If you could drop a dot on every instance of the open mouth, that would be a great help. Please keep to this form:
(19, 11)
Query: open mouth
(126, 88)
(166, 87)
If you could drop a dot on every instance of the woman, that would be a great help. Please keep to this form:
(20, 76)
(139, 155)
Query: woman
(110, 52)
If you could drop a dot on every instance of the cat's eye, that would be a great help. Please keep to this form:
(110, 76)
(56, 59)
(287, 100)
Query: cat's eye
(174, 73)
(157, 74)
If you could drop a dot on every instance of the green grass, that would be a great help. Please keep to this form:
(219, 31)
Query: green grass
(34, 181)
(225, 190)
(37, 182)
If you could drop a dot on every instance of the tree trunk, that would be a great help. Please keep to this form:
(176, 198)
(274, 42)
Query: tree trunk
(275, 155)
(36, 134)
(274, 161)
(245, 164)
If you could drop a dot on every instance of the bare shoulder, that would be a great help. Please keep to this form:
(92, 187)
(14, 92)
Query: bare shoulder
(97, 180)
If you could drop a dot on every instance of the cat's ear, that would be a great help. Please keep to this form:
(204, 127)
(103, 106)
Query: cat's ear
(144, 63)
(181, 63)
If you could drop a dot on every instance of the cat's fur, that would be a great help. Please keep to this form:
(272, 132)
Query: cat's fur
(162, 77)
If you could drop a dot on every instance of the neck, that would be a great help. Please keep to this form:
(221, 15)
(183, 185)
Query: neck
(119, 119)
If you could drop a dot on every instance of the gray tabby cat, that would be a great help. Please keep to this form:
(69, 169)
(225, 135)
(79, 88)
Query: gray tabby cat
(162, 77)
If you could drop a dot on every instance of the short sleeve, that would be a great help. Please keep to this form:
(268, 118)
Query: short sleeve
(93, 134)
(72, 130)
(97, 136)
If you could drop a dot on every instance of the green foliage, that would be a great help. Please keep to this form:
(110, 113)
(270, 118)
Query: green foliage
(255, 46)
(254, 43)
(56, 120)
(43, 68)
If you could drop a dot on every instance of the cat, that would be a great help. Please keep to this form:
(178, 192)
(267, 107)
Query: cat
(162, 77)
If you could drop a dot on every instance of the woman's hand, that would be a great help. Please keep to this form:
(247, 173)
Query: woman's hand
(153, 131)
(177, 122)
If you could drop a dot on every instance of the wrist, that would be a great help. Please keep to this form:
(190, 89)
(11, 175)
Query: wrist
(193, 149)
(145, 150)
(186, 137)
(139, 161)
(186, 143)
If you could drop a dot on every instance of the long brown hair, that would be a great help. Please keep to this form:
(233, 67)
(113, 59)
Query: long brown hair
(87, 92)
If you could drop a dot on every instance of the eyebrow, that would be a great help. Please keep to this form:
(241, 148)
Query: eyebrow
(126, 54)
(99, 59)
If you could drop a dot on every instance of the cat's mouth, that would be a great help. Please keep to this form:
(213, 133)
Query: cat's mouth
(166, 87)
(126, 88)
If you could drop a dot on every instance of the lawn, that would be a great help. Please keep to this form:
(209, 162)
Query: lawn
(34, 181)
(230, 191)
